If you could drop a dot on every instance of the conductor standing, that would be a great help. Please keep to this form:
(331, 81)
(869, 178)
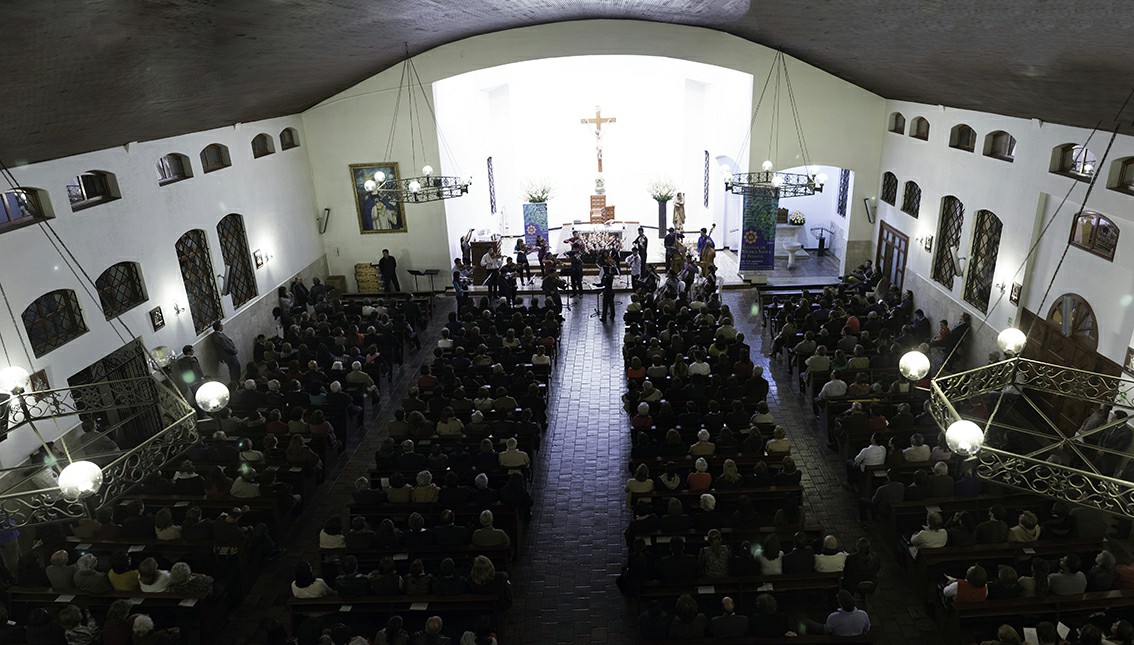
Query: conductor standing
(388, 269)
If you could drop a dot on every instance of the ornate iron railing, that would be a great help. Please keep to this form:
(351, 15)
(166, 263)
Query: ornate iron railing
(1029, 473)
(36, 499)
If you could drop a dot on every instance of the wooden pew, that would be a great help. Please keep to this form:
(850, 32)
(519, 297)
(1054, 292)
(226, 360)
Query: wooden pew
(370, 606)
(368, 559)
(505, 518)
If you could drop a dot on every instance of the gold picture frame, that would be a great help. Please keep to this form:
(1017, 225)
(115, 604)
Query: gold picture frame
(377, 213)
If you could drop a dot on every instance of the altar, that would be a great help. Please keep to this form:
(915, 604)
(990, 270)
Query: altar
(790, 234)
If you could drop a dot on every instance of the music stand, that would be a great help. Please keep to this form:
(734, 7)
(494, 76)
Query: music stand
(428, 273)
(598, 300)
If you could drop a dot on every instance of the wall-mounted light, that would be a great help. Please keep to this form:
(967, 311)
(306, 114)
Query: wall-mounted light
(926, 242)
(178, 309)
(1001, 286)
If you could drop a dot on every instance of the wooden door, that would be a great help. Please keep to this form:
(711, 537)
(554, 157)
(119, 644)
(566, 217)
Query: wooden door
(135, 423)
(891, 254)
(1048, 343)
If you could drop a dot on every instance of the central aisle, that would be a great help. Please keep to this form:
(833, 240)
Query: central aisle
(565, 580)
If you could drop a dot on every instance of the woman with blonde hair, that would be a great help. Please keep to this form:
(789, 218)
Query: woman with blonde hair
(484, 579)
(640, 483)
(730, 477)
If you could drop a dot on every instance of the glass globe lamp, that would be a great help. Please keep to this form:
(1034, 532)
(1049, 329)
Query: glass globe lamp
(212, 396)
(767, 165)
(821, 178)
(80, 479)
(1011, 341)
(370, 185)
(914, 365)
(379, 176)
(414, 186)
(12, 378)
(964, 438)
(777, 181)
(427, 170)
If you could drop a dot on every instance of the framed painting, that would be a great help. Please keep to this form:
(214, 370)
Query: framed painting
(157, 320)
(377, 212)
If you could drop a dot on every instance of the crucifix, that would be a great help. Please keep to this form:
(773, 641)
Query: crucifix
(597, 122)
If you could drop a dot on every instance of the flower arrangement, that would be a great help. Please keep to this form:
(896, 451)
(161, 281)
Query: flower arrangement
(662, 189)
(537, 191)
(797, 218)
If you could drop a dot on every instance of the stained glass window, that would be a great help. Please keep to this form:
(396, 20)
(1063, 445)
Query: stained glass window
(1075, 319)
(237, 260)
(52, 320)
(844, 188)
(948, 239)
(120, 288)
(982, 259)
(199, 278)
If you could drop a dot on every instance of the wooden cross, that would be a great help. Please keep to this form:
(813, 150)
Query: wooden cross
(597, 122)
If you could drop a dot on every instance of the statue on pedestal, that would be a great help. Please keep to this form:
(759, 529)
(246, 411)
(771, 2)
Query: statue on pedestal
(679, 212)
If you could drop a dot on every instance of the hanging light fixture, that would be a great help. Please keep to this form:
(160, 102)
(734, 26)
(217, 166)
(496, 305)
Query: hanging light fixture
(768, 181)
(212, 396)
(13, 378)
(964, 438)
(80, 479)
(914, 365)
(428, 187)
(1011, 341)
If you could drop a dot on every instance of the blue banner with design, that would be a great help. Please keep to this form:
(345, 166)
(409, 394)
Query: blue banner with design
(758, 241)
(535, 222)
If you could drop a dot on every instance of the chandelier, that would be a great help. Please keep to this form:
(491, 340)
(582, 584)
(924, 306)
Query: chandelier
(769, 181)
(428, 187)
(1037, 457)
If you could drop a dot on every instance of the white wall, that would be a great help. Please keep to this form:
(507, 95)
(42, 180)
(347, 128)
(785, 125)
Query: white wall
(273, 193)
(821, 209)
(1024, 195)
(353, 126)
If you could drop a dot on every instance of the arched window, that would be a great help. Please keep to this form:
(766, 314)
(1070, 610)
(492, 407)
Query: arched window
(1072, 160)
(1122, 173)
(215, 157)
(911, 199)
(21, 207)
(919, 129)
(948, 241)
(890, 188)
(262, 146)
(289, 138)
(173, 168)
(53, 320)
(237, 261)
(982, 259)
(1075, 319)
(1000, 145)
(91, 189)
(897, 123)
(962, 137)
(199, 278)
(1096, 233)
(120, 289)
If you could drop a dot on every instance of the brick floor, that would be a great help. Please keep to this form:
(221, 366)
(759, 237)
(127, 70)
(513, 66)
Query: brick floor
(565, 590)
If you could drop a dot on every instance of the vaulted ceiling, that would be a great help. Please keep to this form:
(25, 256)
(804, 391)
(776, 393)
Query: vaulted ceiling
(82, 76)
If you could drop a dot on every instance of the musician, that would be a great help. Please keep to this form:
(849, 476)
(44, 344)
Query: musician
(576, 258)
(704, 239)
(508, 274)
(466, 248)
(669, 288)
(641, 243)
(492, 262)
(524, 270)
(650, 279)
(607, 271)
(550, 287)
(636, 264)
(541, 254)
(460, 279)
(689, 272)
(670, 243)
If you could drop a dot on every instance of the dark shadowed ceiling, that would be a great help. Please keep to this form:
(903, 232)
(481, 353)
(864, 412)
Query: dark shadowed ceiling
(89, 74)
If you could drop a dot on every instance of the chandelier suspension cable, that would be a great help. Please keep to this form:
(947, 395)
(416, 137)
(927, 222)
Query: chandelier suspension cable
(397, 108)
(755, 114)
(773, 131)
(444, 144)
(795, 114)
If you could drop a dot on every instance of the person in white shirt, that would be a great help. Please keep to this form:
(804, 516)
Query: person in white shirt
(872, 455)
(699, 366)
(541, 357)
(445, 343)
(151, 579)
(932, 536)
(306, 585)
(917, 451)
(513, 458)
(831, 558)
(834, 388)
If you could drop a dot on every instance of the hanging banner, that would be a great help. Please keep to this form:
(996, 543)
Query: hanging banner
(758, 242)
(535, 222)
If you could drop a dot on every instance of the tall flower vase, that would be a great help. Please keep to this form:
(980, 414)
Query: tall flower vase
(661, 217)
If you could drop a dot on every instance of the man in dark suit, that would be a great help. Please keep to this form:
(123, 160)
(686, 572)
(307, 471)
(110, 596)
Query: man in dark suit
(729, 624)
(678, 565)
(994, 530)
(800, 559)
(1114, 438)
(448, 533)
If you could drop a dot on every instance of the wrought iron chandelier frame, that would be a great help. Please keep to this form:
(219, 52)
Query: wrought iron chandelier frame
(791, 184)
(1037, 472)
